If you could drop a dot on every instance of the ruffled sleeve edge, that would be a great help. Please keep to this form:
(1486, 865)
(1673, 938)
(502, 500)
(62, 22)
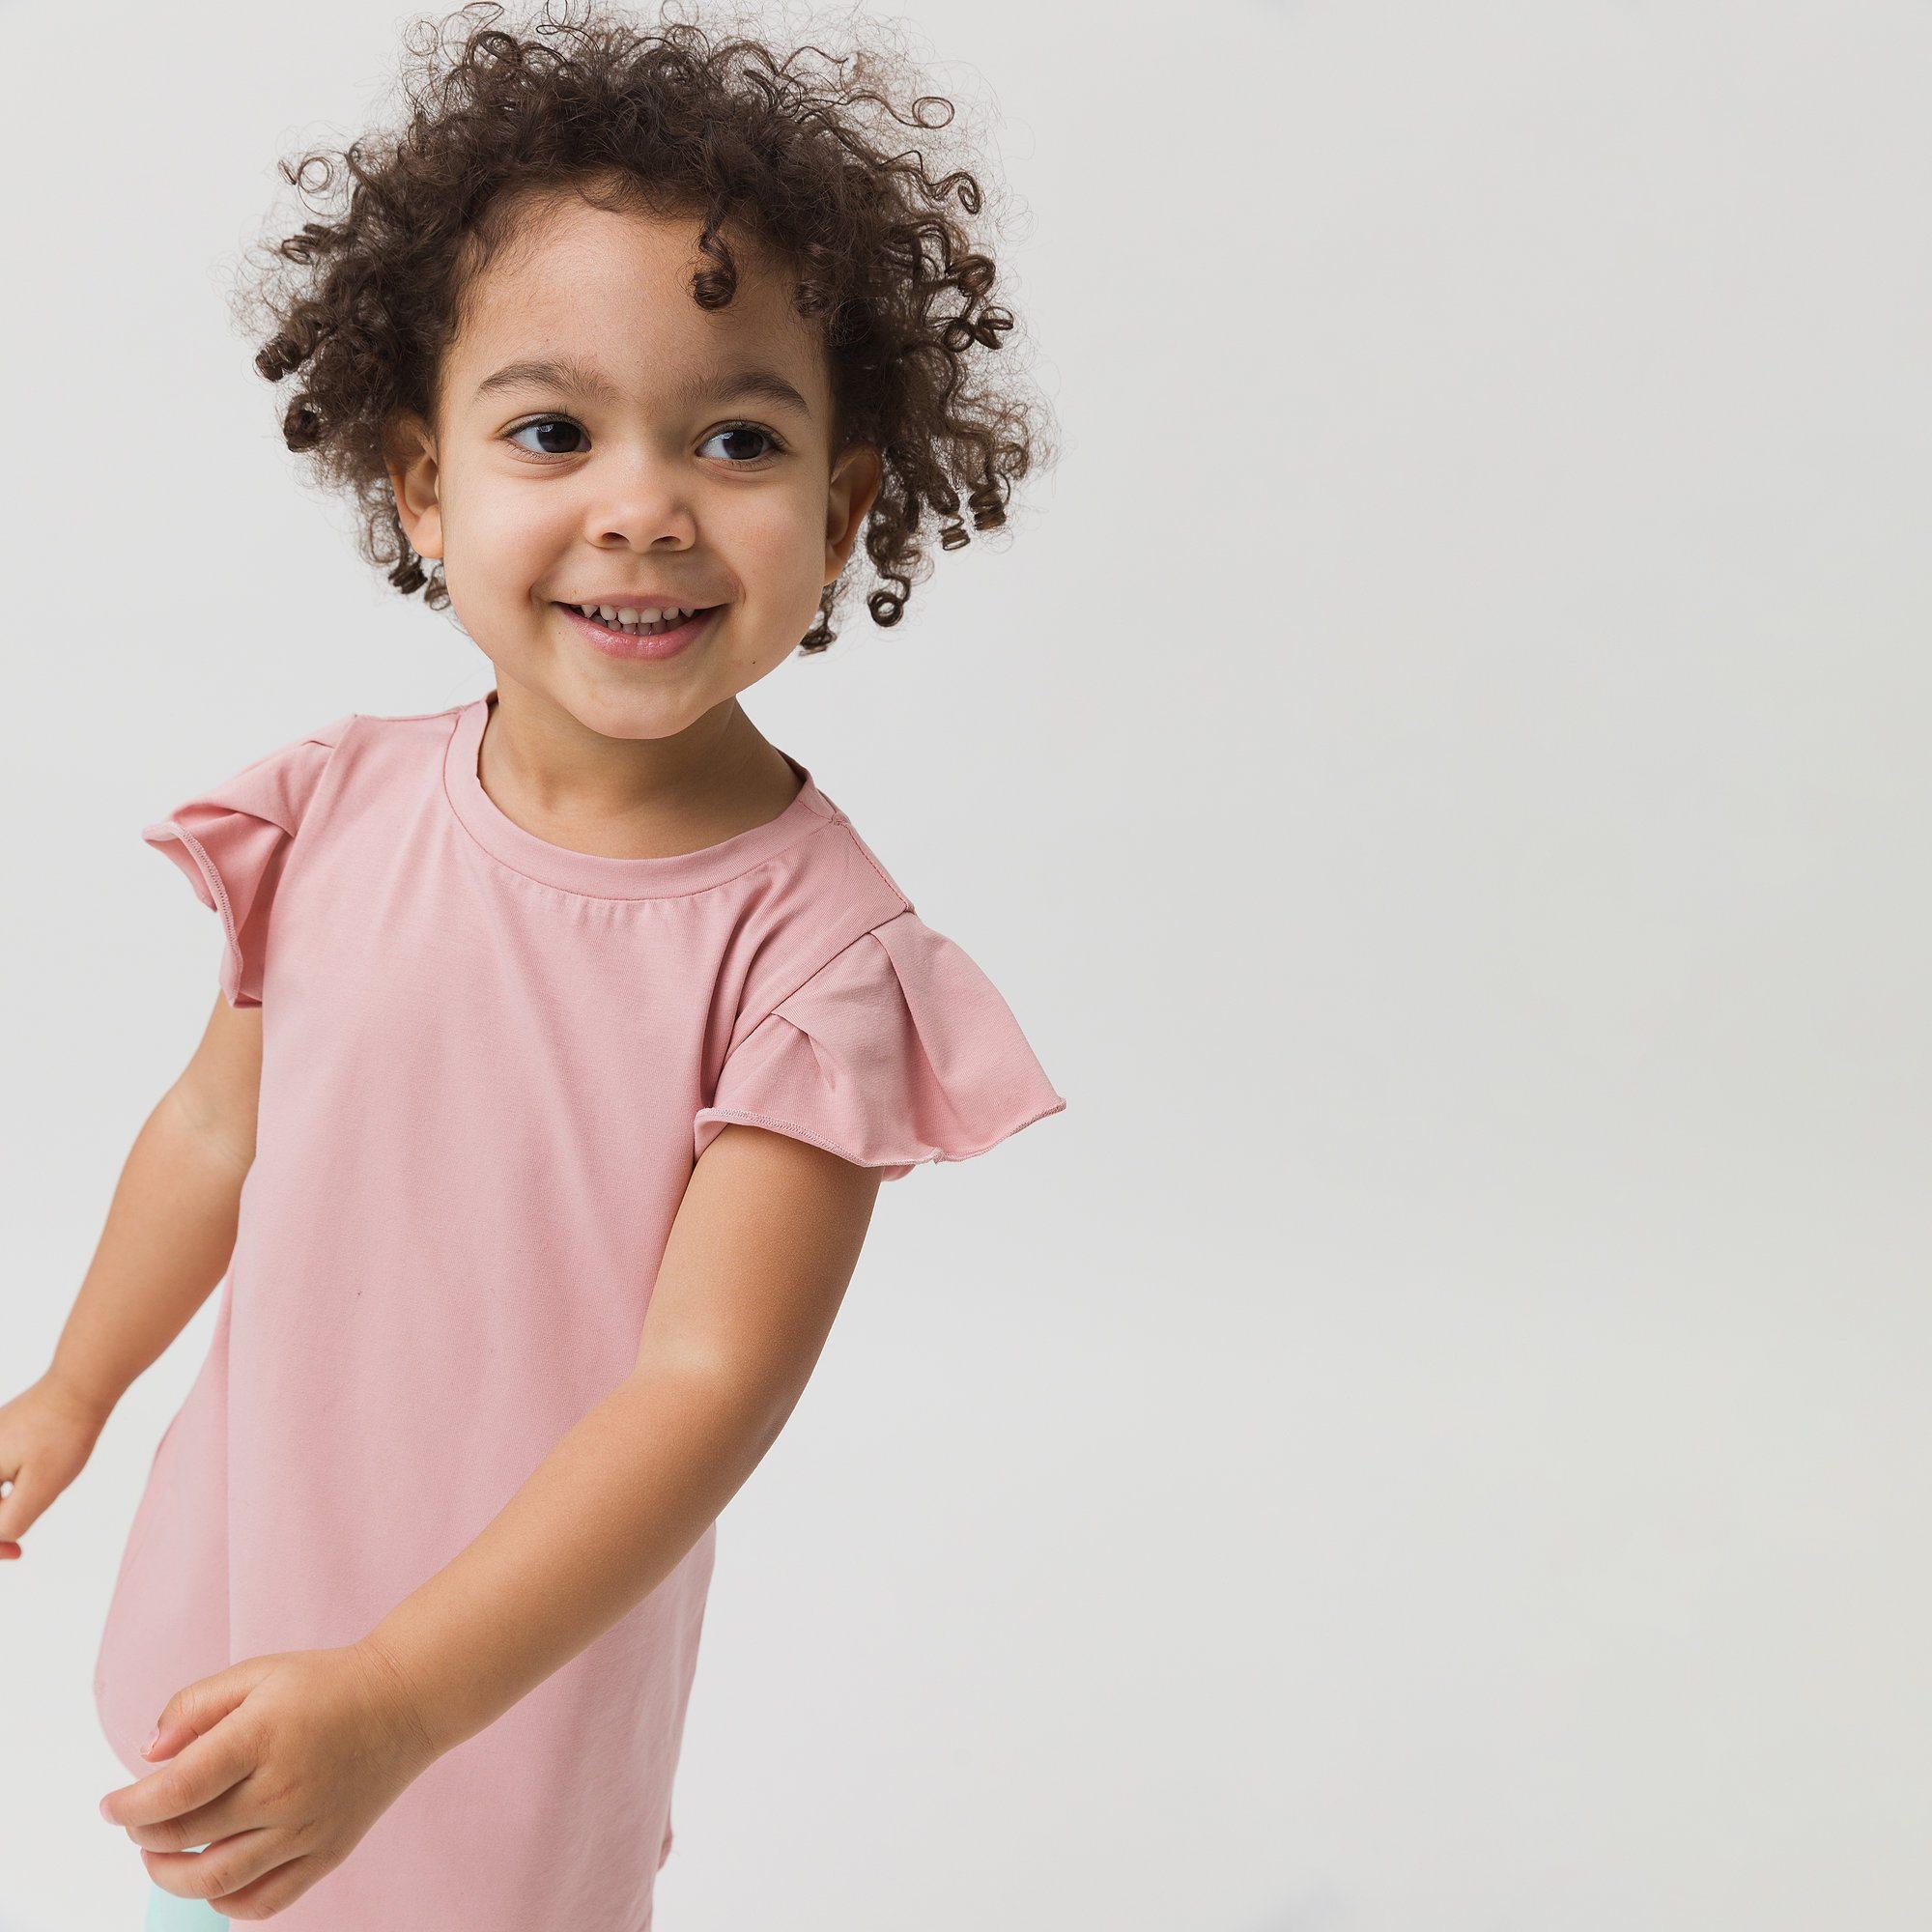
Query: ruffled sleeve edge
(175, 841)
(711, 1119)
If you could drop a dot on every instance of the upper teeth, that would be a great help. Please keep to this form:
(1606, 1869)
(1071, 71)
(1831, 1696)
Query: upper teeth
(624, 613)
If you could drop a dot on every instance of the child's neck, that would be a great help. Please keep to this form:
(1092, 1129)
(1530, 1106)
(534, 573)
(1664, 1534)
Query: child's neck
(630, 798)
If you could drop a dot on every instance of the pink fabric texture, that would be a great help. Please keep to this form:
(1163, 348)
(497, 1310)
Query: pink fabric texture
(489, 1065)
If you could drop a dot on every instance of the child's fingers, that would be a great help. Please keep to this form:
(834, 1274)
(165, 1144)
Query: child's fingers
(23, 1503)
(239, 1808)
(10, 1481)
(213, 1753)
(227, 1865)
(200, 1775)
(197, 1709)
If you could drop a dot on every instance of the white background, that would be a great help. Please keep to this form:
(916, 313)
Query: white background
(1433, 1439)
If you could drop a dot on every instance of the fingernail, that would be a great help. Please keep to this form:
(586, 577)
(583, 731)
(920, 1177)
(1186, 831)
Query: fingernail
(104, 1810)
(152, 1741)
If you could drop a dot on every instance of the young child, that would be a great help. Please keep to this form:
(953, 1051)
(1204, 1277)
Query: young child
(565, 1034)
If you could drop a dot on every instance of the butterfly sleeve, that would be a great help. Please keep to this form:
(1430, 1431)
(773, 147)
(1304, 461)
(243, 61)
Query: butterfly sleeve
(232, 841)
(898, 1051)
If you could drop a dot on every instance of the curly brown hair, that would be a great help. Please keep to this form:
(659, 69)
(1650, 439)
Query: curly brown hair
(362, 304)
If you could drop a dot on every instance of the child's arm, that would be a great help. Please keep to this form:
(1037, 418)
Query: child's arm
(169, 1233)
(764, 1243)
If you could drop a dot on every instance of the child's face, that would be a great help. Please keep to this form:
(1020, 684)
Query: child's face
(536, 492)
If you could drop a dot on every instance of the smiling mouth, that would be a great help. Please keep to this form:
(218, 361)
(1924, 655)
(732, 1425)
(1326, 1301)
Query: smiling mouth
(661, 627)
(666, 637)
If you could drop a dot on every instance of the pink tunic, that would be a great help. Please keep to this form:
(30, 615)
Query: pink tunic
(488, 1064)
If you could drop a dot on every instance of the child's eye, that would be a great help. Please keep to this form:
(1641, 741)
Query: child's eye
(545, 423)
(747, 429)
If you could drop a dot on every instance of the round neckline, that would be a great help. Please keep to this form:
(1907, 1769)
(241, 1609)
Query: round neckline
(597, 875)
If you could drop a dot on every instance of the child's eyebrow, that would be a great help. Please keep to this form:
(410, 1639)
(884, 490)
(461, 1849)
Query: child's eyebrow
(565, 372)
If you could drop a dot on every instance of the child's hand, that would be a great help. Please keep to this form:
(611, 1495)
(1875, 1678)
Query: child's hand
(285, 1763)
(48, 1433)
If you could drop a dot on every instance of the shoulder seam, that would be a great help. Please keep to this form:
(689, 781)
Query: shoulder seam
(871, 859)
(330, 736)
(844, 947)
(891, 884)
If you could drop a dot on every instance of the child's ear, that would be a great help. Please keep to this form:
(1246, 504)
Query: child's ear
(855, 483)
(409, 454)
